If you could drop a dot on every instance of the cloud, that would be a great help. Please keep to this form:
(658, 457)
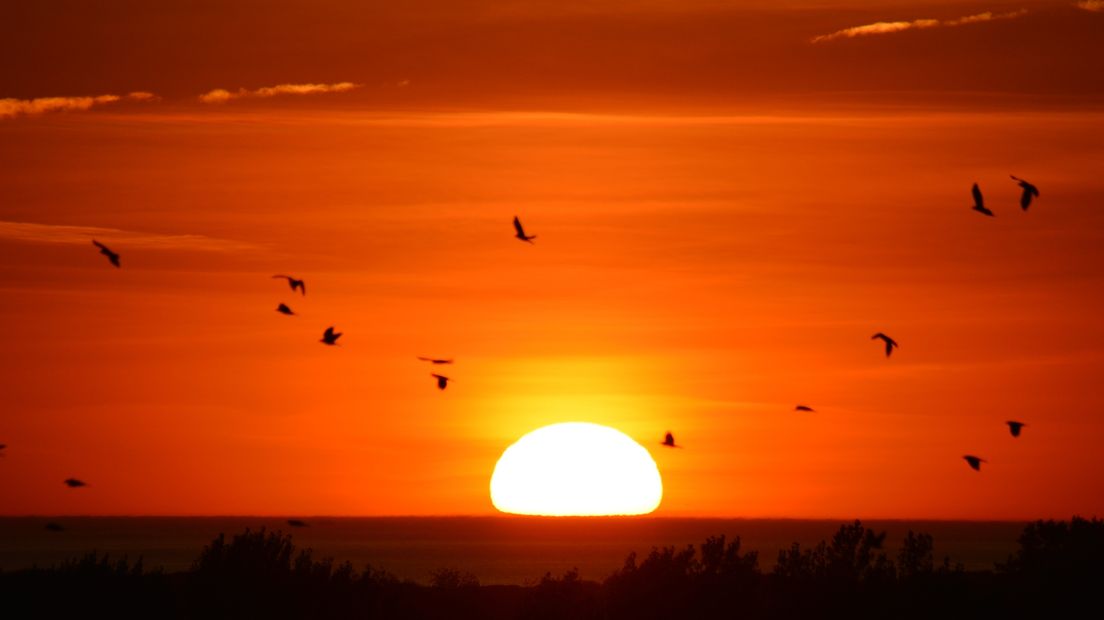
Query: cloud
(10, 108)
(220, 95)
(72, 235)
(918, 24)
(1091, 5)
(141, 95)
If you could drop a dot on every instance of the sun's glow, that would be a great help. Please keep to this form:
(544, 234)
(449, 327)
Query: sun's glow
(576, 469)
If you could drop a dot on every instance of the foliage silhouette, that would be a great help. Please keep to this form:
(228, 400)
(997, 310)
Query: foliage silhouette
(1058, 568)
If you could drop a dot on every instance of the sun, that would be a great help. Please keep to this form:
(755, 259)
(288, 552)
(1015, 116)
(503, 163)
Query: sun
(576, 469)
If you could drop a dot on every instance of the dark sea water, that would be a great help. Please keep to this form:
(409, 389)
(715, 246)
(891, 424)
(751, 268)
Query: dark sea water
(497, 550)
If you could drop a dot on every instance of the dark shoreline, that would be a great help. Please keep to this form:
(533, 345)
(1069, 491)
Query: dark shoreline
(500, 549)
(1056, 568)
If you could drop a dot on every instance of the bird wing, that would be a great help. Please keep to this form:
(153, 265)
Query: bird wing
(288, 278)
(1027, 187)
(100, 245)
(978, 200)
(518, 228)
(303, 287)
(329, 332)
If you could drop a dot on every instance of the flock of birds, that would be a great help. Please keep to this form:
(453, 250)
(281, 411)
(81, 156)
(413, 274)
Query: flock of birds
(1029, 193)
(330, 336)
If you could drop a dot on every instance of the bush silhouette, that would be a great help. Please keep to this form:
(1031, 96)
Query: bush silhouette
(1058, 568)
(564, 597)
(1060, 562)
(670, 583)
(915, 557)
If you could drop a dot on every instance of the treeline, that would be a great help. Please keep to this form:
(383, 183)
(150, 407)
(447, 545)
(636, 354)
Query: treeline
(1059, 568)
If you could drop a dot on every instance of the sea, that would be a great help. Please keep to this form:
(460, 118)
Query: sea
(495, 549)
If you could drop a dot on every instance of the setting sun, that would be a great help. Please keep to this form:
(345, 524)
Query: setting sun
(576, 469)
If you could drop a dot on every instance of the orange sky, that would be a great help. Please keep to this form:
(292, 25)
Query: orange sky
(725, 212)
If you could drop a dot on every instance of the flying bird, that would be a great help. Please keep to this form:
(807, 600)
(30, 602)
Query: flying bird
(330, 336)
(979, 202)
(297, 523)
(975, 461)
(54, 527)
(889, 342)
(73, 483)
(521, 232)
(442, 381)
(294, 284)
(1029, 192)
(432, 360)
(284, 309)
(804, 408)
(1015, 427)
(669, 441)
(106, 251)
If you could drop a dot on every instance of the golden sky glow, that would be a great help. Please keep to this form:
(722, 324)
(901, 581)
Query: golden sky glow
(725, 213)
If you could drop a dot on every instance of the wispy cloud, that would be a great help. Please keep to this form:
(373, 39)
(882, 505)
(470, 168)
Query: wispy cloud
(220, 95)
(1091, 5)
(10, 108)
(919, 24)
(52, 233)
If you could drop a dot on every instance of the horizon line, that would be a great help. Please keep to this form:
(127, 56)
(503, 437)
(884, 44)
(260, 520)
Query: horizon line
(546, 517)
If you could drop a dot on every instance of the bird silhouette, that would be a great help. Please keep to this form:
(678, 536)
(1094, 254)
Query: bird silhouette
(106, 251)
(889, 342)
(330, 336)
(2, 446)
(1015, 427)
(435, 361)
(297, 523)
(521, 232)
(284, 309)
(804, 408)
(54, 527)
(1029, 192)
(442, 381)
(74, 483)
(669, 441)
(979, 202)
(975, 461)
(294, 284)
